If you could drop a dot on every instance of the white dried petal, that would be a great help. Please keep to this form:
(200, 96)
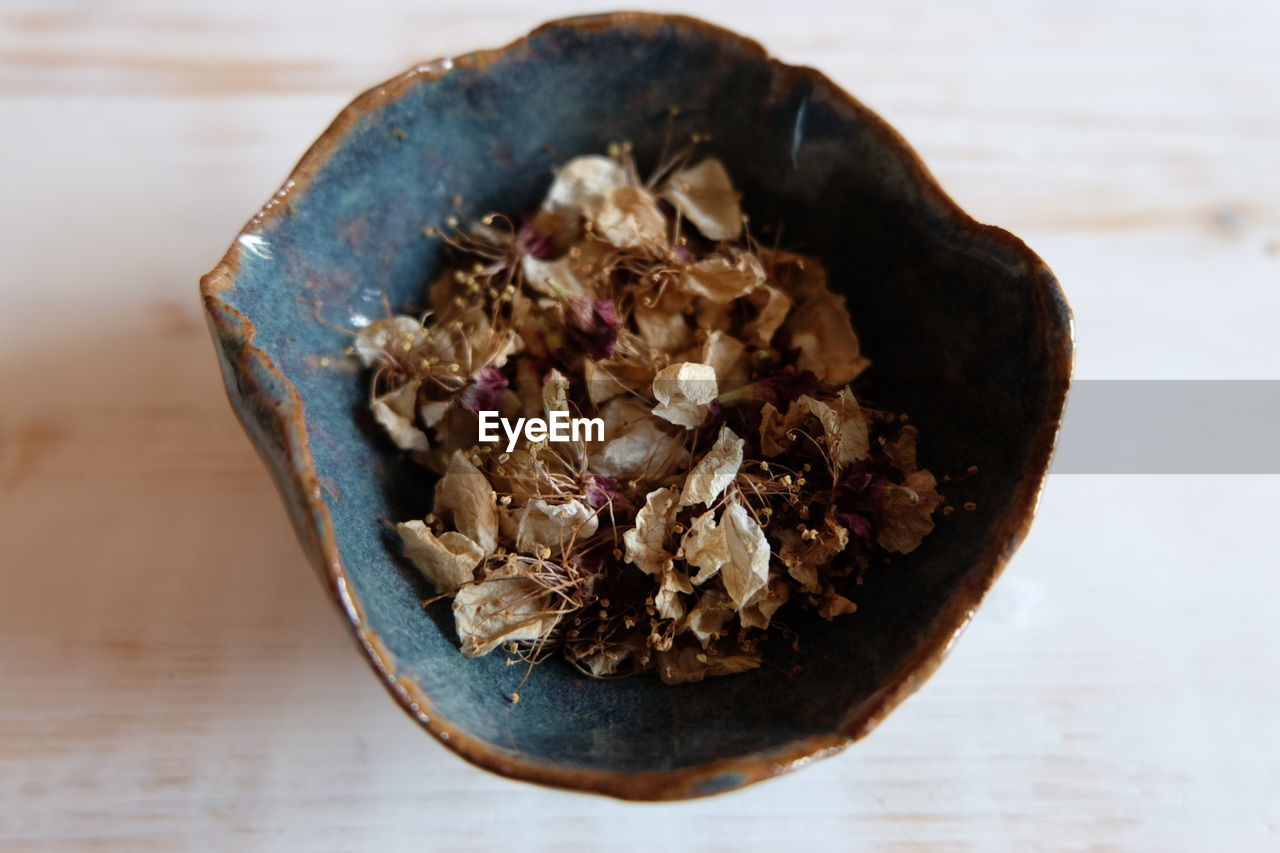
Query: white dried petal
(394, 411)
(705, 196)
(667, 601)
(388, 336)
(637, 445)
(465, 499)
(706, 547)
(556, 278)
(715, 470)
(661, 328)
(602, 386)
(683, 391)
(582, 183)
(723, 279)
(646, 543)
(747, 571)
(447, 561)
(728, 357)
(505, 606)
(555, 526)
(851, 439)
(433, 411)
(844, 424)
(555, 393)
(629, 218)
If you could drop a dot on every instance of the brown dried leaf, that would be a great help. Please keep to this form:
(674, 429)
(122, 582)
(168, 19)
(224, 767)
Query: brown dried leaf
(685, 664)
(823, 333)
(908, 512)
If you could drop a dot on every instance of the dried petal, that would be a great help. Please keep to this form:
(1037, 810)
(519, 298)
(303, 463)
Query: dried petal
(464, 498)
(394, 411)
(591, 327)
(704, 195)
(908, 512)
(667, 601)
(481, 393)
(823, 334)
(683, 391)
(646, 542)
(759, 611)
(747, 571)
(705, 547)
(728, 357)
(772, 306)
(505, 606)
(723, 279)
(447, 561)
(583, 182)
(555, 526)
(715, 470)
(629, 218)
(662, 327)
(637, 445)
(388, 338)
(707, 619)
(682, 665)
(558, 278)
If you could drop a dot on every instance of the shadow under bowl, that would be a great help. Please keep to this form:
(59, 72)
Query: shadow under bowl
(966, 328)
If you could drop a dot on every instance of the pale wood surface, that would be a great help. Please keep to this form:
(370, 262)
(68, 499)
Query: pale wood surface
(171, 675)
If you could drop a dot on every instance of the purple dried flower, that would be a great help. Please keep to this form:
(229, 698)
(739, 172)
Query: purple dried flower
(481, 393)
(592, 327)
(537, 237)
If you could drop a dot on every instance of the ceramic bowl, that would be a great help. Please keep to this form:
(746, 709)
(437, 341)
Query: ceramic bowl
(967, 330)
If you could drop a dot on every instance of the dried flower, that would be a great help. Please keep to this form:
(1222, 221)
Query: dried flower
(736, 474)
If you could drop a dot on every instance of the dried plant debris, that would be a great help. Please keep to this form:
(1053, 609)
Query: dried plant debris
(732, 472)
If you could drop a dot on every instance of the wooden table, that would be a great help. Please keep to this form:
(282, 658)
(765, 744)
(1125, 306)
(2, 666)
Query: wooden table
(171, 675)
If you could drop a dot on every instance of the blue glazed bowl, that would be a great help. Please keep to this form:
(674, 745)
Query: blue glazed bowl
(967, 330)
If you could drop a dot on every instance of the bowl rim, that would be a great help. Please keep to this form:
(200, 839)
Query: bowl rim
(297, 480)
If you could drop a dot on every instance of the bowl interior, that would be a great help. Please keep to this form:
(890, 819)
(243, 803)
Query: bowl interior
(963, 326)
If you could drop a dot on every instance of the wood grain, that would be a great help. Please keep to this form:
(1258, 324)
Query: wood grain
(171, 677)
